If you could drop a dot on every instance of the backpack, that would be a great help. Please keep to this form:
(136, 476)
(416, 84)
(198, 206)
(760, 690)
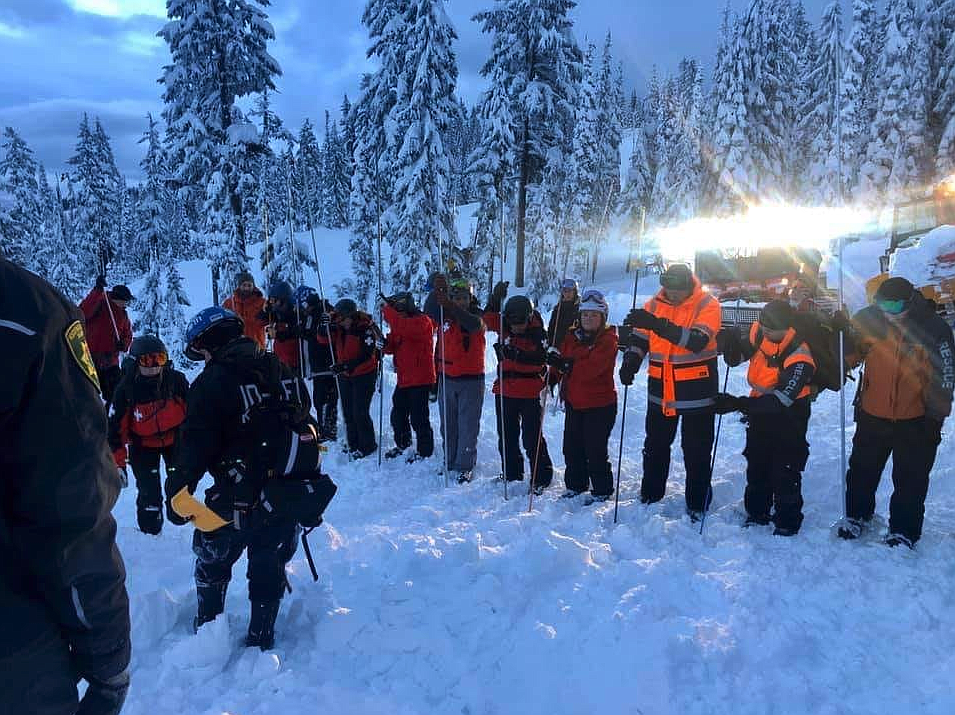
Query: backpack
(823, 340)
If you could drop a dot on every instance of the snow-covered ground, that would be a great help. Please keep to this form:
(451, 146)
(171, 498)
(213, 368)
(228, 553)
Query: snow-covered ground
(436, 599)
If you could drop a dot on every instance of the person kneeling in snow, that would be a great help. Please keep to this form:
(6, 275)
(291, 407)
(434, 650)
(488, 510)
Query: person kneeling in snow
(411, 342)
(148, 407)
(584, 368)
(781, 368)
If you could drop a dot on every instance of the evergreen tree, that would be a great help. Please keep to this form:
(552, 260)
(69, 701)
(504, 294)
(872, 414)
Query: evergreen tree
(335, 180)
(149, 302)
(49, 249)
(858, 87)
(152, 234)
(308, 162)
(173, 306)
(19, 233)
(940, 33)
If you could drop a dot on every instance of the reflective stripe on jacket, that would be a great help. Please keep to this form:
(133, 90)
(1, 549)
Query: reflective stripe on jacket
(773, 368)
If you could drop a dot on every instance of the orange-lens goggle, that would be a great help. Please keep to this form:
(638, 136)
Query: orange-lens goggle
(153, 359)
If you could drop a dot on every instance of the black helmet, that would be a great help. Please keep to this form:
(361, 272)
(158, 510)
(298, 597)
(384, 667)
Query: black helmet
(518, 309)
(777, 315)
(210, 329)
(403, 301)
(146, 345)
(281, 290)
(346, 308)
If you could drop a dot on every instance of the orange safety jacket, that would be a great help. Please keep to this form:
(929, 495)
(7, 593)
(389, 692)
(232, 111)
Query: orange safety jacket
(782, 370)
(680, 380)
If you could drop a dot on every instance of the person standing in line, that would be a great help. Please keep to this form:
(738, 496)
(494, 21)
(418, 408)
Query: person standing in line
(356, 339)
(109, 332)
(282, 326)
(460, 357)
(317, 315)
(583, 366)
(249, 304)
(566, 313)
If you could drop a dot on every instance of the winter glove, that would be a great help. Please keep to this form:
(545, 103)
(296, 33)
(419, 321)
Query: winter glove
(629, 367)
(173, 515)
(624, 337)
(313, 301)
(642, 319)
(553, 357)
(339, 368)
(105, 697)
(726, 403)
(509, 351)
(727, 341)
(433, 393)
(101, 282)
(840, 322)
(123, 477)
(120, 345)
(381, 342)
(325, 319)
(553, 379)
(933, 428)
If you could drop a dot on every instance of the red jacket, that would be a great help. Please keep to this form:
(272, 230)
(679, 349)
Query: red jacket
(147, 411)
(459, 353)
(524, 377)
(411, 341)
(101, 336)
(355, 347)
(589, 383)
(250, 310)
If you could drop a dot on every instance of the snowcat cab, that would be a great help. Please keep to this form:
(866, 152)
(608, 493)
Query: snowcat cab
(745, 280)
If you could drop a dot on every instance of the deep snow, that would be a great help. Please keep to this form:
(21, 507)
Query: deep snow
(452, 600)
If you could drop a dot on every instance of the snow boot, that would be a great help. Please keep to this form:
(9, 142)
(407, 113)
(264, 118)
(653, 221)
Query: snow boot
(394, 452)
(850, 528)
(595, 499)
(149, 519)
(756, 520)
(894, 540)
(211, 598)
(695, 515)
(570, 494)
(262, 625)
(538, 489)
(785, 531)
(465, 476)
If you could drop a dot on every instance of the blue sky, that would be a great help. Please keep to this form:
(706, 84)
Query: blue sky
(61, 58)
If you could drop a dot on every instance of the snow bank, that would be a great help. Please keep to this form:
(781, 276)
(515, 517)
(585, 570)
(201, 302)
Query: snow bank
(921, 263)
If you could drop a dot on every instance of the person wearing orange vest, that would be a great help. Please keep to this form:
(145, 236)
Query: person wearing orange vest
(459, 356)
(676, 330)
(781, 368)
(248, 303)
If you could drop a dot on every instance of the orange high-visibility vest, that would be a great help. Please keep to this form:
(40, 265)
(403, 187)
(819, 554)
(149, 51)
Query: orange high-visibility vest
(771, 359)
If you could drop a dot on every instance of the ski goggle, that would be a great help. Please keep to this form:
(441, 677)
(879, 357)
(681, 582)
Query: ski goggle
(153, 360)
(568, 284)
(674, 282)
(892, 307)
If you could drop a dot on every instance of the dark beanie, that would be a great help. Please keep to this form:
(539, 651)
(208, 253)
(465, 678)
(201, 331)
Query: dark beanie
(679, 276)
(121, 292)
(776, 315)
(243, 276)
(895, 289)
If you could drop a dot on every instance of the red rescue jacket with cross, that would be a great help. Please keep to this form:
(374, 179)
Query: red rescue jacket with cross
(101, 335)
(589, 384)
(524, 375)
(147, 411)
(780, 371)
(411, 341)
(458, 352)
(683, 375)
(355, 346)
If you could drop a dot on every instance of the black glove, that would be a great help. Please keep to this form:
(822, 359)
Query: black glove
(726, 403)
(173, 516)
(101, 282)
(510, 352)
(840, 322)
(433, 393)
(629, 367)
(553, 357)
(933, 428)
(123, 476)
(642, 319)
(553, 378)
(120, 345)
(105, 697)
(339, 368)
(325, 319)
(727, 340)
(313, 301)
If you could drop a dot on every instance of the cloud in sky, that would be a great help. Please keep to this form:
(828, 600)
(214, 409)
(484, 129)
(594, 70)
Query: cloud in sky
(65, 57)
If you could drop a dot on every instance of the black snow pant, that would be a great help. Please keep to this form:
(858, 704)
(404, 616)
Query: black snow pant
(271, 544)
(696, 437)
(586, 435)
(144, 462)
(522, 423)
(325, 400)
(357, 393)
(109, 378)
(410, 410)
(776, 453)
(913, 452)
(39, 679)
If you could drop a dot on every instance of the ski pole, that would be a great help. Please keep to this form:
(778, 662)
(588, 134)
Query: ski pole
(719, 427)
(443, 409)
(540, 430)
(500, 372)
(381, 370)
(626, 388)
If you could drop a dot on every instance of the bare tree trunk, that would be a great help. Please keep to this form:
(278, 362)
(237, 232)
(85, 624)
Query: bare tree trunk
(522, 212)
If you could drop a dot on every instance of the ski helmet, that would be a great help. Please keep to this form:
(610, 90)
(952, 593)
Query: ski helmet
(461, 286)
(594, 300)
(121, 292)
(302, 295)
(281, 290)
(145, 345)
(243, 277)
(776, 315)
(403, 302)
(569, 284)
(518, 309)
(346, 308)
(210, 329)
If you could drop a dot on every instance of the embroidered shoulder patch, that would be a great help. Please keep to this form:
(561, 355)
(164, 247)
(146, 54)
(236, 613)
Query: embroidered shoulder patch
(76, 341)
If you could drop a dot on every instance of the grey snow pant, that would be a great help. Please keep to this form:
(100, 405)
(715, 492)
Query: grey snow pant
(460, 427)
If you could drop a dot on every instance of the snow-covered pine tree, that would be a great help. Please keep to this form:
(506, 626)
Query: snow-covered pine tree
(20, 231)
(149, 302)
(336, 184)
(821, 117)
(858, 89)
(896, 159)
(422, 200)
(175, 301)
(939, 32)
(219, 54)
(533, 51)
(49, 247)
(151, 234)
(347, 133)
(308, 164)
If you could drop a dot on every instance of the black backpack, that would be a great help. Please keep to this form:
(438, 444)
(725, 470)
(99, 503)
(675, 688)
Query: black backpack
(822, 338)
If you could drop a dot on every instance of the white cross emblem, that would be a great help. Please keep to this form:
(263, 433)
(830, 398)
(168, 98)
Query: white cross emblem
(138, 415)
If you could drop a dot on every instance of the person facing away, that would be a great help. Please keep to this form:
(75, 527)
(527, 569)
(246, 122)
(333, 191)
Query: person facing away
(676, 331)
(460, 361)
(583, 366)
(521, 353)
(237, 376)
(108, 331)
(566, 313)
(62, 580)
(316, 334)
(148, 408)
(411, 343)
(781, 368)
(356, 338)
(249, 304)
(904, 396)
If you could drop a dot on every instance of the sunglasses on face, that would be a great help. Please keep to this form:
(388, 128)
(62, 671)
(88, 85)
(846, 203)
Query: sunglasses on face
(892, 307)
(153, 360)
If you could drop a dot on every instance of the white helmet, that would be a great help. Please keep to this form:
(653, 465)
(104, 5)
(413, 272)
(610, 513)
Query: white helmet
(593, 299)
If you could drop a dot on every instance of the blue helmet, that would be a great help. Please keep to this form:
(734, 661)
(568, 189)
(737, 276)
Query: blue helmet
(210, 329)
(281, 290)
(302, 294)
